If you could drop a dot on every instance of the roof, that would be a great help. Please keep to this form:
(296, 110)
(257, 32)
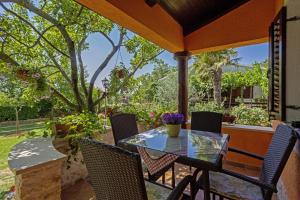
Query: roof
(193, 25)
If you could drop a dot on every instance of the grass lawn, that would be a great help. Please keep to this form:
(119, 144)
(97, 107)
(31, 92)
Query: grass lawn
(8, 129)
(6, 143)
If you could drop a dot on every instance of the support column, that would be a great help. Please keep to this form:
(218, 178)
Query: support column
(182, 63)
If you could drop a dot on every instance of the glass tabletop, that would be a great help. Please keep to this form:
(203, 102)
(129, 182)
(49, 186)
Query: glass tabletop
(192, 144)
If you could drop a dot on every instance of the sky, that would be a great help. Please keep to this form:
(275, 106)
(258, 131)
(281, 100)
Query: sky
(99, 47)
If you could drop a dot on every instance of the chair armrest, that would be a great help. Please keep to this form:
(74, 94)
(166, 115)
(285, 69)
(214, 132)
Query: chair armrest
(179, 189)
(245, 153)
(250, 180)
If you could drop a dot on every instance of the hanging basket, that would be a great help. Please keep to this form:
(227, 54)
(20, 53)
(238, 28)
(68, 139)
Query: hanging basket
(120, 73)
(22, 74)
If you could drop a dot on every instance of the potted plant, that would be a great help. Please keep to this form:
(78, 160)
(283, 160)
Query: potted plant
(173, 123)
(66, 132)
(227, 117)
(22, 74)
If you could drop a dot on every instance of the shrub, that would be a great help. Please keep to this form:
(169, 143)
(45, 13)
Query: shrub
(250, 116)
(208, 106)
(148, 114)
(9, 113)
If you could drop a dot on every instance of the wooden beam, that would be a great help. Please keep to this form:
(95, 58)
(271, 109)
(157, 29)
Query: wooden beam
(152, 23)
(182, 62)
(151, 3)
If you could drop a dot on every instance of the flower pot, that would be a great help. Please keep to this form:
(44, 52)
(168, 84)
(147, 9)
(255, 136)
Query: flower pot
(62, 129)
(173, 129)
(120, 73)
(22, 74)
(228, 118)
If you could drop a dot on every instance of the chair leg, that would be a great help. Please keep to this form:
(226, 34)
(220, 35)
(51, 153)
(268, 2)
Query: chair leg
(173, 176)
(163, 178)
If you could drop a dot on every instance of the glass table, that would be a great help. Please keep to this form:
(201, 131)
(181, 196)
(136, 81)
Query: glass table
(199, 149)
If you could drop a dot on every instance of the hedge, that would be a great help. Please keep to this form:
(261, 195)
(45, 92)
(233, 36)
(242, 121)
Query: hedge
(41, 109)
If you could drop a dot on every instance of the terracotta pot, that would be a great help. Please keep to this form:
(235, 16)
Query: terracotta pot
(62, 129)
(22, 74)
(120, 73)
(173, 129)
(228, 118)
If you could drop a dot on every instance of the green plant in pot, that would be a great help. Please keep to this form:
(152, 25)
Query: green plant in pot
(173, 123)
(67, 130)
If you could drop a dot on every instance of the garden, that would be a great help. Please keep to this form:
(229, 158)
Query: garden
(44, 78)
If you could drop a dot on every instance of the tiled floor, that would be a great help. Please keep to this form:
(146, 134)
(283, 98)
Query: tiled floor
(83, 190)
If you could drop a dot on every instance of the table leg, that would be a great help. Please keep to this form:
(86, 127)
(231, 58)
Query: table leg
(206, 185)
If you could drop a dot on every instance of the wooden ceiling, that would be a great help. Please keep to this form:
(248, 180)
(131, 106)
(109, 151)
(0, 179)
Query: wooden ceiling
(194, 14)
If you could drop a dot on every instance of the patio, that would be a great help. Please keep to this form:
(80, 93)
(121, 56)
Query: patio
(223, 25)
(83, 190)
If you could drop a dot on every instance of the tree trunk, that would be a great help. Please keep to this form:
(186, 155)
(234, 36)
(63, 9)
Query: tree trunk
(242, 94)
(17, 121)
(217, 76)
(230, 97)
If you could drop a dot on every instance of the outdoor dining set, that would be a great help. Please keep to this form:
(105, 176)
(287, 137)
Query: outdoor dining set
(132, 167)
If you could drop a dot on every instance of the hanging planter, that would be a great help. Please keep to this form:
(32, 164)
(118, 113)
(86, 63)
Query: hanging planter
(22, 74)
(120, 73)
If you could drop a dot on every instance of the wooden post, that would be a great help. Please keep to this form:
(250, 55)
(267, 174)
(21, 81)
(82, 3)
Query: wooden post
(182, 62)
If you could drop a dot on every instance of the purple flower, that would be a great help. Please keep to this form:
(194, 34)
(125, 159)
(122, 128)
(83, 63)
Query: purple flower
(173, 118)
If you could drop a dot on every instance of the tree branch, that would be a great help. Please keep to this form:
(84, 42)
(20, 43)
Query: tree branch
(41, 36)
(7, 59)
(57, 65)
(71, 47)
(13, 37)
(100, 68)
(141, 63)
(32, 26)
(62, 97)
(106, 37)
(82, 73)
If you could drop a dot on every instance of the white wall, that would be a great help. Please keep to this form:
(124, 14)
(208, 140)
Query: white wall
(293, 60)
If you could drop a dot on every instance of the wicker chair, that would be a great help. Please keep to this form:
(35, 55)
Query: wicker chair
(206, 121)
(231, 185)
(123, 126)
(116, 174)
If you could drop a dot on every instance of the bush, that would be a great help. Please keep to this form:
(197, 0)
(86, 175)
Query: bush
(210, 106)
(9, 113)
(40, 109)
(148, 114)
(250, 116)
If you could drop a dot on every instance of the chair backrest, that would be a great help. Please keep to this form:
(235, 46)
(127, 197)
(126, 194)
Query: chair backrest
(280, 148)
(123, 126)
(207, 121)
(114, 172)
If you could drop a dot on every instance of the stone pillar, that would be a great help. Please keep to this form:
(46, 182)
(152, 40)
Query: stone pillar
(37, 168)
(41, 182)
(182, 60)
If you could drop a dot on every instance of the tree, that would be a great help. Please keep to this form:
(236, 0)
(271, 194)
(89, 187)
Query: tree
(209, 66)
(47, 37)
(231, 81)
(14, 93)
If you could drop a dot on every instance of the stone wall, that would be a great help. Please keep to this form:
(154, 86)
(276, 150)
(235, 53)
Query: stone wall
(40, 182)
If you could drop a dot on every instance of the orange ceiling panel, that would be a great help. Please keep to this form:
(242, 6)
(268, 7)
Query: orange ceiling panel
(247, 24)
(153, 23)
